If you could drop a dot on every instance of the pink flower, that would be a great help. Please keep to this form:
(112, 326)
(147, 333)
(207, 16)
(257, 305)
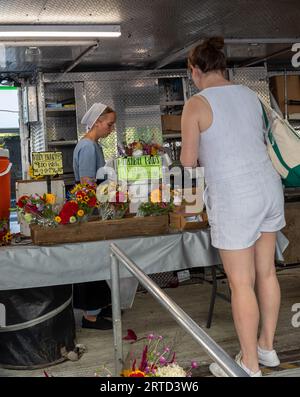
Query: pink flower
(194, 364)
(162, 360)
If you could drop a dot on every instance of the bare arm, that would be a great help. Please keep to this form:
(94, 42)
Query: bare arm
(190, 132)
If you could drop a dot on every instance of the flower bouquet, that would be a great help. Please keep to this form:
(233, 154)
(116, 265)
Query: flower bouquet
(80, 205)
(113, 201)
(156, 205)
(157, 359)
(38, 209)
(5, 235)
(140, 148)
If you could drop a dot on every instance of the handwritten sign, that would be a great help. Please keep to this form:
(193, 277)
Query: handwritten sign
(47, 163)
(140, 168)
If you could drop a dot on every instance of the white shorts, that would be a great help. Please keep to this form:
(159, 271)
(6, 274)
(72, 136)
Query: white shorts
(240, 208)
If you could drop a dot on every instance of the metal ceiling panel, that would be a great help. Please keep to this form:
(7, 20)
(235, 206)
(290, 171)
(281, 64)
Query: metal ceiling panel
(152, 29)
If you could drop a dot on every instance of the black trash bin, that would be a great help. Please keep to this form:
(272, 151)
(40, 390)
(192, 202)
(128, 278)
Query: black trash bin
(40, 327)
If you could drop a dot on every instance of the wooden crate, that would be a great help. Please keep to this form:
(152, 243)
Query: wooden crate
(100, 230)
(292, 232)
(182, 221)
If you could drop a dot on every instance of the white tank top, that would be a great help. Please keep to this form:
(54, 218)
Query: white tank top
(234, 144)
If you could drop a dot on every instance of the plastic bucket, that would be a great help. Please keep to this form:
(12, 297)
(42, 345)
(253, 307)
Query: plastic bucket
(39, 327)
(5, 167)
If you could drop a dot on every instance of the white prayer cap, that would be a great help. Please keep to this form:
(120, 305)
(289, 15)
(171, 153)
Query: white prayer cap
(93, 114)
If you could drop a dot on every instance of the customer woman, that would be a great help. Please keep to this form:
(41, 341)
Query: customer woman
(222, 127)
(93, 297)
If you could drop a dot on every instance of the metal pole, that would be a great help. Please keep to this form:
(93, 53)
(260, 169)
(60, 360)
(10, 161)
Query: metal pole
(202, 338)
(286, 111)
(116, 311)
(85, 53)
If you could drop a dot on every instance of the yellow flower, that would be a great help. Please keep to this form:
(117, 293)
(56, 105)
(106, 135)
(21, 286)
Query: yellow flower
(155, 196)
(57, 219)
(7, 237)
(126, 372)
(50, 198)
(31, 176)
(80, 213)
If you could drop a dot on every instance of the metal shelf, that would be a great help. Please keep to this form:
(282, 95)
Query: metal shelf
(171, 103)
(60, 110)
(172, 135)
(62, 143)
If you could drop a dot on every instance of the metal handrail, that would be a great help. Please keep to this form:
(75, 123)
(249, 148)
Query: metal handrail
(210, 346)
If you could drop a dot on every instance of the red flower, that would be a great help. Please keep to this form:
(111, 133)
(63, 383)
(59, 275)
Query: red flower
(120, 197)
(22, 201)
(92, 202)
(30, 208)
(69, 209)
(131, 335)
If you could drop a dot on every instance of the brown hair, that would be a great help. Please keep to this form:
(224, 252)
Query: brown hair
(208, 56)
(107, 110)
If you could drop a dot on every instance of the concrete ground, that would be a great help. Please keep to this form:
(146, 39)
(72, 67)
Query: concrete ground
(146, 316)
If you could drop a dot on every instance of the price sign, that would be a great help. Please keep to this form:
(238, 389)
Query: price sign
(47, 163)
(140, 168)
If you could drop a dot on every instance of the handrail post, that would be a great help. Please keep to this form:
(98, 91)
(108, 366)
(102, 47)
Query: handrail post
(116, 312)
(210, 346)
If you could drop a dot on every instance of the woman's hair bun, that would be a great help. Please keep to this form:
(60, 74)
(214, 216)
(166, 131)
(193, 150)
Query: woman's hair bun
(208, 55)
(215, 42)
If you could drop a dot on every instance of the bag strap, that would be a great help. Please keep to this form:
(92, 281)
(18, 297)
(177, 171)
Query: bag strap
(271, 139)
(266, 122)
(264, 105)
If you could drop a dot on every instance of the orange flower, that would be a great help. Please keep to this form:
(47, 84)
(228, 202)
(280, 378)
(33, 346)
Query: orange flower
(57, 219)
(137, 374)
(156, 196)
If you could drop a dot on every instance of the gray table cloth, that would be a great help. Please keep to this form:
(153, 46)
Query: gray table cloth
(34, 266)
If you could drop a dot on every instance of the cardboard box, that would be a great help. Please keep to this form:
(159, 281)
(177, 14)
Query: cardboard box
(171, 122)
(293, 91)
(183, 221)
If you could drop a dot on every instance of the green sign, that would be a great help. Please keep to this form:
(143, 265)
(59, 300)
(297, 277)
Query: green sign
(133, 169)
(47, 163)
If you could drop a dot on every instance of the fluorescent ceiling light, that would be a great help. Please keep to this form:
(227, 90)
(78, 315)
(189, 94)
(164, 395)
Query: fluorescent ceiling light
(58, 31)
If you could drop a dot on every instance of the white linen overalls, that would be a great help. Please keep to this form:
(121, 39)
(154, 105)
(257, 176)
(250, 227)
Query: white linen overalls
(244, 193)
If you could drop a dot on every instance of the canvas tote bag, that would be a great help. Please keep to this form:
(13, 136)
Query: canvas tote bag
(283, 144)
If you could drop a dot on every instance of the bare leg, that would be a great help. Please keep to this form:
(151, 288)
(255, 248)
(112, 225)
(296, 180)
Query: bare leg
(240, 270)
(267, 287)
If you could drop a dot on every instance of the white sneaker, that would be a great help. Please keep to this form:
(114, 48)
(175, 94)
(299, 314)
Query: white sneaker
(239, 361)
(268, 358)
(217, 371)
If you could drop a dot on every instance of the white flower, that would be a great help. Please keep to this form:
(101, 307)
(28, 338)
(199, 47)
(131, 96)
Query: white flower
(137, 153)
(171, 370)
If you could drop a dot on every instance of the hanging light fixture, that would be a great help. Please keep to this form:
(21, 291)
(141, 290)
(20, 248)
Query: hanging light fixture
(46, 32)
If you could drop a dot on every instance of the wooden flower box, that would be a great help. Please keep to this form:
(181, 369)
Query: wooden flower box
(95, 230)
